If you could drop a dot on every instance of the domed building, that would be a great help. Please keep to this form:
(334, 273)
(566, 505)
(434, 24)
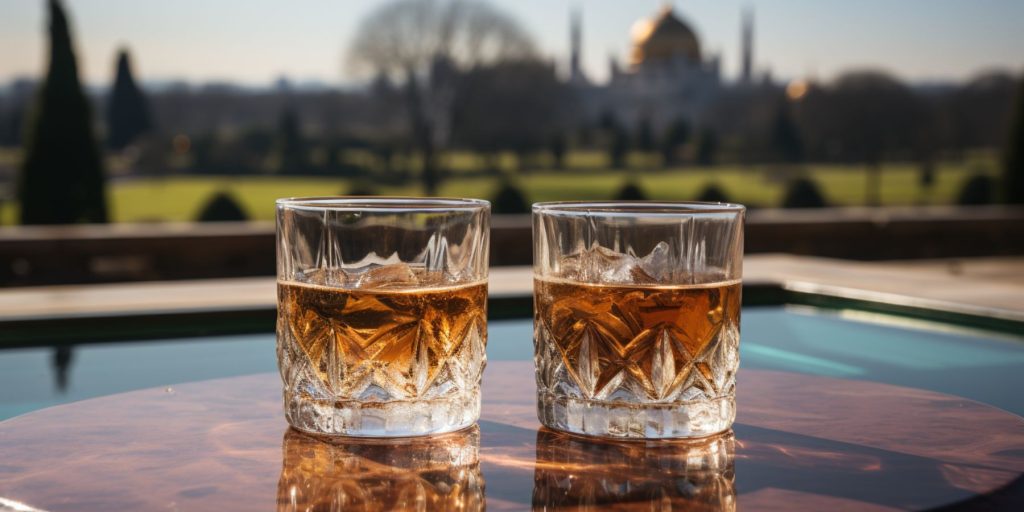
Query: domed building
(667, 76)
(663, 39)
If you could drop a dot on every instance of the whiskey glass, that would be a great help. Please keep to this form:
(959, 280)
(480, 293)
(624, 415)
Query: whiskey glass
(382, 313)
(637, 317)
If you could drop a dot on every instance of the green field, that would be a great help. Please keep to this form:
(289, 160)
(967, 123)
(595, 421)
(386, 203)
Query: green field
(180, 198)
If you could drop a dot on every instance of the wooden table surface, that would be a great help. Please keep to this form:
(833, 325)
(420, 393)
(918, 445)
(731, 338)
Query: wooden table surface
(800, 443)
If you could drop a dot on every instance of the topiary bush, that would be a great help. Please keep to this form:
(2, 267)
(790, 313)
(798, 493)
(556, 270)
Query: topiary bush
(631, 191)
(360, 188)
(978, 190)
(509, 200)
(713, 194)
(803, 193)
(222, 207)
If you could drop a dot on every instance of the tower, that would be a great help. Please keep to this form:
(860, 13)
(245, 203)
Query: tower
(747, 74)
(575, 41)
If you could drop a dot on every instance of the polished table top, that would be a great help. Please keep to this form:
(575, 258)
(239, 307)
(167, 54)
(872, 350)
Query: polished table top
(800, 442)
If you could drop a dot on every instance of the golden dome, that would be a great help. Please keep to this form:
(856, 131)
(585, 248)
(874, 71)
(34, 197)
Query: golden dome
(664, 37)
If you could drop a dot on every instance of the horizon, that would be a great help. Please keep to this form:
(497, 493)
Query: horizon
(910, 40)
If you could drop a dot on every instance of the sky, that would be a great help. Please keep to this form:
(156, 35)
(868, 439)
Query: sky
(256, 41)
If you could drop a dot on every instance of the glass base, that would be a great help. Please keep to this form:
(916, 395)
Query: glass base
(399, 418)
(636, 421)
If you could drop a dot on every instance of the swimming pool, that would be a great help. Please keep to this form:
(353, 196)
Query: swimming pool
(976, 364)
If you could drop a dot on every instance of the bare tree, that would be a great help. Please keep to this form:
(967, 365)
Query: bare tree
(426, 44)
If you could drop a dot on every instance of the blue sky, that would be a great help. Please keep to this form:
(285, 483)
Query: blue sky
(255, 41)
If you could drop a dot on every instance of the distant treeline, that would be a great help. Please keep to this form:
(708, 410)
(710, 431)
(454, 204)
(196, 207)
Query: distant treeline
(864, 116)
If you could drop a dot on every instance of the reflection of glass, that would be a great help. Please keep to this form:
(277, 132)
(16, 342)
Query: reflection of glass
(417, 473)
(382, 308)
(575, 472)
(637, 309)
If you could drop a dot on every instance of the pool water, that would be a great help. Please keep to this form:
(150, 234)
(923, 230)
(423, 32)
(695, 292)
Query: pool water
(979, 365)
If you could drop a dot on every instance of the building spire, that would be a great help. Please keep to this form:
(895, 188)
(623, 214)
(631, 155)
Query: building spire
(747, 73)
(575, 41)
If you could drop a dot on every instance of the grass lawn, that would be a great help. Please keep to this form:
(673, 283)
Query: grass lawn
(180, 198)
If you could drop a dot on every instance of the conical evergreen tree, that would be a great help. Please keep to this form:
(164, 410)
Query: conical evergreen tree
(707, 148)
(61, 180)
(290, 143)
(128, 113)
(676, 136)
(786, 144)
(1013, 170)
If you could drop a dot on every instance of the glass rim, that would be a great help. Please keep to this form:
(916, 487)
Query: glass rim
(636, 208)
(383, 204)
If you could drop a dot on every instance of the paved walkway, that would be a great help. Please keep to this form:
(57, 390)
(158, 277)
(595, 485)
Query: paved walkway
(991, 286)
